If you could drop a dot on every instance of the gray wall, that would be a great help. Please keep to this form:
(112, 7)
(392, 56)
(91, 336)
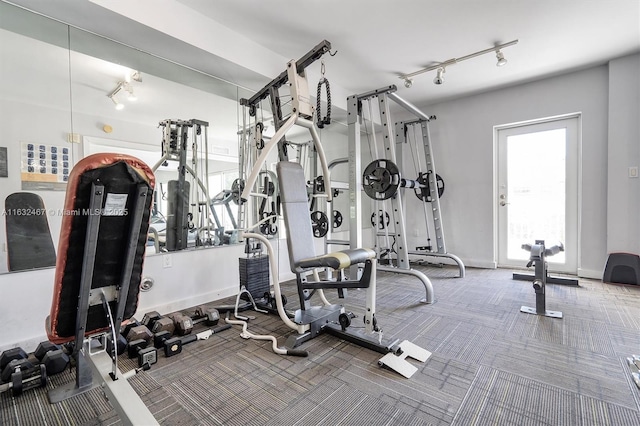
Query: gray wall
(463, 140)
(623, 192)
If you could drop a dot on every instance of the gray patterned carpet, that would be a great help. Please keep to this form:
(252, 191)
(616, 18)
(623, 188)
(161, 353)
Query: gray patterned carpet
(491, 365)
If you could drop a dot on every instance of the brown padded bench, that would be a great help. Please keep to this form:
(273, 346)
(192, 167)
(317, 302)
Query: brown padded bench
(98, 272)
(98, 255)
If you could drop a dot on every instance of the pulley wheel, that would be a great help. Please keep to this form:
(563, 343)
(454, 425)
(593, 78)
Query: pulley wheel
(344, 320)
(236, 190)
(268, 227)
(381, 179)
(383, 219)
(337, 219)
(319, 223)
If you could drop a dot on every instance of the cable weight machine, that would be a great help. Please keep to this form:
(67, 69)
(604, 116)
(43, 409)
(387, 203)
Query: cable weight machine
(382, 178)
(429, 186)
(175, 145)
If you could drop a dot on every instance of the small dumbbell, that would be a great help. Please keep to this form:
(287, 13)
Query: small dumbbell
(11, 354)
(33, 377)
(139, 332)
(52, 357)
(210, 316)
(183, 323)
(14, 366)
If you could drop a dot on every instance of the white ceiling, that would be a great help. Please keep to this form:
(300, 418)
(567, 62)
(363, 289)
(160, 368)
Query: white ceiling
(375, 40)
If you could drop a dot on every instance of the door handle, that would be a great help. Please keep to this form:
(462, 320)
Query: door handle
(503, 203)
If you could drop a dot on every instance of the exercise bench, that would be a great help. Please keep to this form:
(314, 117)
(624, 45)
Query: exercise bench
(98, 273)
(332, 318)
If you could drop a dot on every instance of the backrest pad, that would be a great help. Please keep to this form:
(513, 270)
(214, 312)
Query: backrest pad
(295, 206)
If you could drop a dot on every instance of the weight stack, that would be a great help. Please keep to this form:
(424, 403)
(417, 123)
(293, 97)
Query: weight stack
(254, 276)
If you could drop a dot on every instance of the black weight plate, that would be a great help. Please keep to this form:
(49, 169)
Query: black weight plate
(319, 223)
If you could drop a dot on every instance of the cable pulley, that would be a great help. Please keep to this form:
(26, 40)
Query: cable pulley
(382, 221)
(319, 224)
(236, 190)
(269, 227)
(337, 219)
(258, 135)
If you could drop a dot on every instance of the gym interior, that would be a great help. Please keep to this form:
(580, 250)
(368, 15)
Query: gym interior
(336, 213)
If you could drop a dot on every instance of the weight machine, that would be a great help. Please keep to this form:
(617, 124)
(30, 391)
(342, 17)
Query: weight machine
(310, 321)
(181, 219)
(428, 187)
(381, 181)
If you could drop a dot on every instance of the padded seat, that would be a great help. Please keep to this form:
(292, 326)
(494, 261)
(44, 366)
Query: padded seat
(337, 260)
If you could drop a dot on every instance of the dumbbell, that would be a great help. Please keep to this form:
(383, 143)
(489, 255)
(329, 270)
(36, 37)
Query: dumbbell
(210, 316)
(52, 356)
(176, 322)
(139, 332)
(13, 366)
(184, 323)
(146, 354)
(22, 380)
(11, 354)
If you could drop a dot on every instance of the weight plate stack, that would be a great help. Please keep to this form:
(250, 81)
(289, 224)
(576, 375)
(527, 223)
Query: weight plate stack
(254, 275)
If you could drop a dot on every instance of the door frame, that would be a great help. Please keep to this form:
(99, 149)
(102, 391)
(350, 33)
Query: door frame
(496, 183)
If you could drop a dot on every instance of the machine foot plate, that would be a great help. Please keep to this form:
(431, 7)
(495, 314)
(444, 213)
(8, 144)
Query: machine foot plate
(399, 363)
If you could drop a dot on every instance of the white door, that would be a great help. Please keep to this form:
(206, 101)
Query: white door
(537, 191)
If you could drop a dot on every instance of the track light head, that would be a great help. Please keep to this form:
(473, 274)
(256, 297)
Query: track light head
(501, 60)
(118, 105)
(130, 95)
(439, 79)
(408, 83)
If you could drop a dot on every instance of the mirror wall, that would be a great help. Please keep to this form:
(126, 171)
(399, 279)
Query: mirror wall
(55, 83)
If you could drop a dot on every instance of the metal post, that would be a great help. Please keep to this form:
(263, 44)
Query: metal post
(355, 177)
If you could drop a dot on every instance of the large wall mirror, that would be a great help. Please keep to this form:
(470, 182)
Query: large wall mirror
(68, 93)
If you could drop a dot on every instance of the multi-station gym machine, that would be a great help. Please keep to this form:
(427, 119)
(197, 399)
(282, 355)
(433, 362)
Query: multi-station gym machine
(382, 181)
(191, 209)
(311, 320)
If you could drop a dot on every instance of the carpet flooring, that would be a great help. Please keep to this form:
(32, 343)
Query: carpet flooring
(491, 364)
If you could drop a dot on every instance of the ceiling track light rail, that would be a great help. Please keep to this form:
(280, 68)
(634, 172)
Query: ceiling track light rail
(441, 67)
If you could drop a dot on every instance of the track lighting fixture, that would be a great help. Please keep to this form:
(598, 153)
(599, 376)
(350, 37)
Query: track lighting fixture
(118, 105)
(501, 60)
(439, 79)
(126, 87)
(130, 95)
(440, 67)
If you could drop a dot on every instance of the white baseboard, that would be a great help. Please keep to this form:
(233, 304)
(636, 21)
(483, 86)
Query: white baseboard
(483, 264)
(188, 302)
(590, 273)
